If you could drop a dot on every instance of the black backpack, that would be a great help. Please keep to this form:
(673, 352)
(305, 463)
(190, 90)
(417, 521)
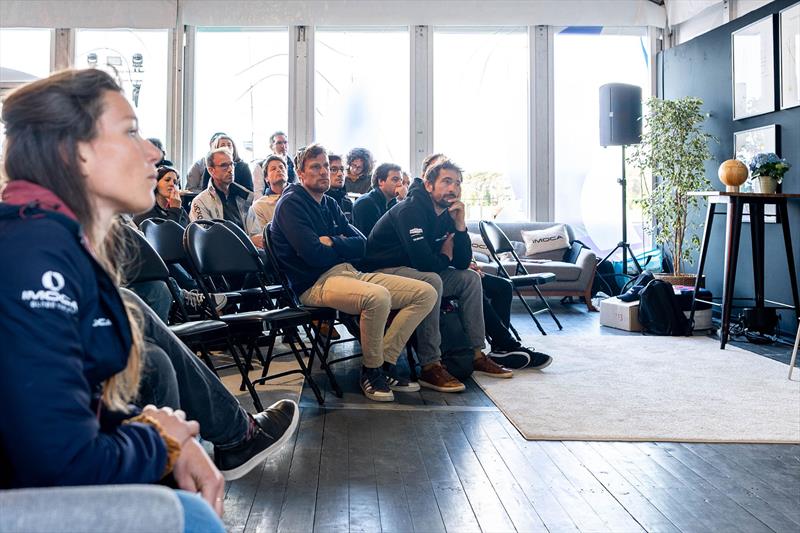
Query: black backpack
(457, 354)
(659, 311)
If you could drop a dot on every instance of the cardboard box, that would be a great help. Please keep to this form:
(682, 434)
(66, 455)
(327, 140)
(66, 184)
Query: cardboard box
(615, 313)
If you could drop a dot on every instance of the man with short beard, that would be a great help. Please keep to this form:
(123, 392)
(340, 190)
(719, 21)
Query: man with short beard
(387, 189)
(263, 209)
(337, 191)
(425, 237)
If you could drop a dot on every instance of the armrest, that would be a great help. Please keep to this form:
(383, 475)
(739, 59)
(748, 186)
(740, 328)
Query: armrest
(587, 261)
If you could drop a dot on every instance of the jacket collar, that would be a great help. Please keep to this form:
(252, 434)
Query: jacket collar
(22, 192)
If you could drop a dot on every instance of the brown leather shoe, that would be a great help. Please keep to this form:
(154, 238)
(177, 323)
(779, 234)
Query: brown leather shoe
(439, 379)
(326, 330)
(487, 367)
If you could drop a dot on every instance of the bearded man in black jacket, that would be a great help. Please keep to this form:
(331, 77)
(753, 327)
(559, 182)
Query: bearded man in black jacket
(425, 237)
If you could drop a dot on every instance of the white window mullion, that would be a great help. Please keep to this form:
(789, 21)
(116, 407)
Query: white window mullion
(541, 155)
(301, 86)
(421, 97)
(188, 41)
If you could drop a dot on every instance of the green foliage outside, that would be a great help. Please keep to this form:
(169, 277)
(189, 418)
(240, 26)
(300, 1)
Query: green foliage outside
(486, 189)
(673, 150)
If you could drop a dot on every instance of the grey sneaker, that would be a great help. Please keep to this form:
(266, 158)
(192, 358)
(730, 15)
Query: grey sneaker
(396, 382)
(373, 383)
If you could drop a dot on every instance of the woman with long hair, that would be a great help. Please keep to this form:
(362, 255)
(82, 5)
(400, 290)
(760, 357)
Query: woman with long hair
(71, 349)
(168, 199)
(198, 176)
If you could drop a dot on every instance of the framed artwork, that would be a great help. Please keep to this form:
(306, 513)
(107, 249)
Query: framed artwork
(752, 52)
(748, 143)
(790, 56)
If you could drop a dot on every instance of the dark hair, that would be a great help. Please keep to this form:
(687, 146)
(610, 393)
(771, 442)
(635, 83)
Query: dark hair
(235, 154)
(331, 157)
(382, 172)
(45, 120)
(270, 159)
(157, 143)
(214, 137)
(309, 152)
(433, 171)
(272, 137)
(163, 170)
(364, 155)
(429, 160)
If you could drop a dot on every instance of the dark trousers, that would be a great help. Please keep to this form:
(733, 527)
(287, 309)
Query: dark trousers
(173, 376)
(497, 297)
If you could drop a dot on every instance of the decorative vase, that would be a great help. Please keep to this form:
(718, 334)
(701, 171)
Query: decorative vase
(767, 184)
(732, 173)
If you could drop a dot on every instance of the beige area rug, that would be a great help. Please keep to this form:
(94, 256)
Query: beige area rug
(639, 388)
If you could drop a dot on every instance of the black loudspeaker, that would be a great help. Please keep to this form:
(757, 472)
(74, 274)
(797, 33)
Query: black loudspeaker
(620, 114)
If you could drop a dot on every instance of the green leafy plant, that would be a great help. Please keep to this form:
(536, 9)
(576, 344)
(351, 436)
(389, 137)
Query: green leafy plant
(673, 150)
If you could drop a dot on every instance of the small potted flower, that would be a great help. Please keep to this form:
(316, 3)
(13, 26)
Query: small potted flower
(769, 169)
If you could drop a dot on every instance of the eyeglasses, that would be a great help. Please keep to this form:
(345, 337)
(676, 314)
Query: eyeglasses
(281, 142)
(337, 169)
(224, 166)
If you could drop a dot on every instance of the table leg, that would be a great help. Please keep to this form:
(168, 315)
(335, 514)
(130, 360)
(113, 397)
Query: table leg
(757, 244)
(733, 231)
(703, 253)
(783, 213)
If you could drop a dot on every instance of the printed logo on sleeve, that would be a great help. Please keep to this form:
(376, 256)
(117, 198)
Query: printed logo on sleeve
(50, 297)
(416, 234)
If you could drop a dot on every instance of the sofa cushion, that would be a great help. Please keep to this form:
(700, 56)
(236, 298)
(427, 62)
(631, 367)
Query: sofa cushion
(478, 246)
(545, 240)
(563, 271)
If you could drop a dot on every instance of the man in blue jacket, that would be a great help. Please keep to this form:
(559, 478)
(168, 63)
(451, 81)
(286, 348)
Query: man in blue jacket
(316, 246)
(387, 187)
(425, 237)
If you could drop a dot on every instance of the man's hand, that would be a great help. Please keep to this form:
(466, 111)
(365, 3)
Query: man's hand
(447, 246)
(474, 266)
(325, 240)
(458, 212)
(258, 240)
(194, 472)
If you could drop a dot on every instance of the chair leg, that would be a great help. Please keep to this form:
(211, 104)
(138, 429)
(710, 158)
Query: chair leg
(794, 352)
(547, 305)
(306, 373)
(324, 348)
(530, 311)
(245, 378)
(514, 331)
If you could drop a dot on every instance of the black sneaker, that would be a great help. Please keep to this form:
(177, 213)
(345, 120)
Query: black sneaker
(525, 357)
(373, 383)
(270, 430)
(396, 382)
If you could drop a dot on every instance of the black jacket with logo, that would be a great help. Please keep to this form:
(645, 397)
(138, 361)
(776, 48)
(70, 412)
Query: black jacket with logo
(411, 234)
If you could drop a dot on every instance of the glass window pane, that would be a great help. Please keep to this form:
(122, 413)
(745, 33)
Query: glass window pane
(587, 195)
(24, 54)
(480, 102)
(241, 87)
(361, 91)
(138, 61)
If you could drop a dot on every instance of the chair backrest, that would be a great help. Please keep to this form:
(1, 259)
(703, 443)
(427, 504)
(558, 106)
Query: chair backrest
(166, 236)
(275, 269)
(497, 243)
(214, 250)
(145, 263)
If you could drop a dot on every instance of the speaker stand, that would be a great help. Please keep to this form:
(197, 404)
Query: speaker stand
(623, 244)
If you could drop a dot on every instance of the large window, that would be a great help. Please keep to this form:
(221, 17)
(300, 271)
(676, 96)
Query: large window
(361, 91)
(138, 60)
(586, 192)
(480, 102)
(241, 87)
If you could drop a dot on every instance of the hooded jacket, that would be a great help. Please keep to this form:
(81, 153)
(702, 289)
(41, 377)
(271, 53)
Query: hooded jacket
(64, 331)
(369, 208)
(297, 225)
(411, 234)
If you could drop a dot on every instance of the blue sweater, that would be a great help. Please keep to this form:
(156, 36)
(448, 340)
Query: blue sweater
(64, 331)
(298, 224)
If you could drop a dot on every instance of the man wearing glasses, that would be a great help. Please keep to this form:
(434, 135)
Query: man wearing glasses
(387, 188)
(223, 198)
(279, 145)
(337, 191)
(359, 171)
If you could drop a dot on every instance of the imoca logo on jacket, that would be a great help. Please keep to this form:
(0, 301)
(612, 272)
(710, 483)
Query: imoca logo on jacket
(50, 297)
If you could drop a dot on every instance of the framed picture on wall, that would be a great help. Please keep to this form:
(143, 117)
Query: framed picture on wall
(748, 143)
(790, 56)
(752, 52)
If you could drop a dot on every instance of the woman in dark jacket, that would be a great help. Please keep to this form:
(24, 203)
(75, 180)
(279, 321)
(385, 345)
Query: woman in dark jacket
(168, 200)
(70, 355)
(198, 176)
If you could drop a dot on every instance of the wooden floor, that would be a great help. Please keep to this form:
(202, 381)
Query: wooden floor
(452, 462)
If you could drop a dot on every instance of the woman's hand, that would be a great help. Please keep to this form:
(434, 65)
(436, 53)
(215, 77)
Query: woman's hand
(194, 472)
(173, 423)
(174, 200)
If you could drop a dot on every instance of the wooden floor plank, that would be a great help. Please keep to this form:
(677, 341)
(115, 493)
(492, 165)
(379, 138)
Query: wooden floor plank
(394, 511)
(331, 513)
(364, 511)
(642, 510)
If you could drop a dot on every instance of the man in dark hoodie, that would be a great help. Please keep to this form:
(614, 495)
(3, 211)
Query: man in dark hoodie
(337, 191)
(425, 237)
(315, 245)
(387, 187)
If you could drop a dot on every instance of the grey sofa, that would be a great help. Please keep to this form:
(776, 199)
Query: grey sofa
(107, 508)
(571, 279)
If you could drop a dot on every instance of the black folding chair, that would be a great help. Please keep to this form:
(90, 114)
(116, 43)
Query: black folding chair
(199, 336)
(214, 250)
(497, 243)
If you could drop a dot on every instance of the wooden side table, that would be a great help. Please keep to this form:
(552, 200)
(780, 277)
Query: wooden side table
(735, 202)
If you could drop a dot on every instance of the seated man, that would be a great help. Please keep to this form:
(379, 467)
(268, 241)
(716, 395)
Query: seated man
(262, 210)
(315, 245)
(337, 191)
(425, 237)
(223, 198)
(387, 186)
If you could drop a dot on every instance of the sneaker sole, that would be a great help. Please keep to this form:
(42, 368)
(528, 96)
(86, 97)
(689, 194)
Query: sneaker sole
(507, 375)
(459, 388)
(241, 471)
(379, 397)
(512, 360)
(543, 365)
(411, 387)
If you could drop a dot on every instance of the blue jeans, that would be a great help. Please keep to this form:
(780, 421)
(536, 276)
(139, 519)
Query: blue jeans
(198, 516)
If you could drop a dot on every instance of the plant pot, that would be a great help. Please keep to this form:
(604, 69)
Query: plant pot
(767, 185)
(683, 279)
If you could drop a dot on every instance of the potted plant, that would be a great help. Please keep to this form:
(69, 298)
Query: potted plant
(769, 169)
(673, 150)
